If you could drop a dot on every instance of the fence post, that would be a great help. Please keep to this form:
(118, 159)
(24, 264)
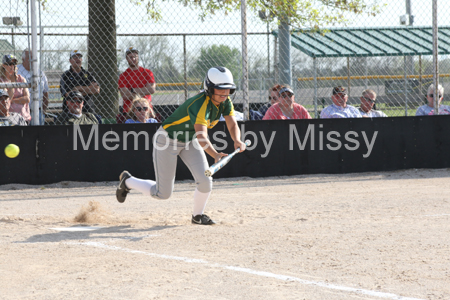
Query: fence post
(435, 60)
(185, 68)
(405, 84)
(315, 87)
(420, 78)
(276, 74)
(244, 58)
(348, 75)
(35, 78)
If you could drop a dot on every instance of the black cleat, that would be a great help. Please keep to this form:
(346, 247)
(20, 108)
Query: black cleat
(122, 190)
(202, 220)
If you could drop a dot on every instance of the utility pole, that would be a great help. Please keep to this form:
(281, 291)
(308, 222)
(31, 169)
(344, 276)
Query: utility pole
(410, 60)
(285, 52)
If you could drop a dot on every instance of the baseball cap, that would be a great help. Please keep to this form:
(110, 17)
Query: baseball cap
(131, 50)
(75, 52)
(286, 90)
(3, 93)
(9, 58)
(339, 90)
(75, 94)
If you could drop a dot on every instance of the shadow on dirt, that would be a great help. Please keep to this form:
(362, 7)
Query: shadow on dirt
(115, 232)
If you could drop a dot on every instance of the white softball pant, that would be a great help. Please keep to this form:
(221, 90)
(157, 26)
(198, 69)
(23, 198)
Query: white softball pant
(165, 153)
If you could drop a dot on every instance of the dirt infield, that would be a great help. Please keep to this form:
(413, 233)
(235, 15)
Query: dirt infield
(355, 236)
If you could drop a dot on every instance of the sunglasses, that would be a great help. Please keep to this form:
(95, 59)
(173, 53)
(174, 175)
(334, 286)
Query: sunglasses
(273, 98)
(10, 64)
(368, 99)
(431, 95)
(138, 108)
(286, 95)
(75, 100)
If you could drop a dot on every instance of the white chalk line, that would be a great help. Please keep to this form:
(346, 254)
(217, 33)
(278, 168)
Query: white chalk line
(253, 272)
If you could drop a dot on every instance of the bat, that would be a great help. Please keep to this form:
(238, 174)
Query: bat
(221, 163)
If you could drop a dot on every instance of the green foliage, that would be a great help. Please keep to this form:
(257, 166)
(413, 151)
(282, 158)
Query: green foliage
(298, 13)
(218, 55)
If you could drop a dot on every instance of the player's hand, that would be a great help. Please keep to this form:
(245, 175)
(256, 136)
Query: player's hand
(239, 144)
(219, 156)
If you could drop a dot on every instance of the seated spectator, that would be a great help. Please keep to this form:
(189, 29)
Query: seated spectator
(122, 116)
(9, 118)
(20, 101)
(24, 69)
(286, 108)
(255, 115)
(141, 112)
(273, 98)
(135, 81)
(239, 116)
(339, 108)
(366, 110)
(428, 109)
(78, 79)
(74, 114)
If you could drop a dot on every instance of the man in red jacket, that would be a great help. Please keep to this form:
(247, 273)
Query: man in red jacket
(135, 81)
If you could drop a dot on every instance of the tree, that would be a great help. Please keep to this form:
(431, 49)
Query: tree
(217, 55)
(102, 55)
(300, 13)
(59, 59)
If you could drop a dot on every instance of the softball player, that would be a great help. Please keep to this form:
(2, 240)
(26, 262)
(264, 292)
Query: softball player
(185, 134)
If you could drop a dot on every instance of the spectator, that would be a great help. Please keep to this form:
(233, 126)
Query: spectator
(339, 108)
(78, 79)
(9, 118)
(19, 97)
(239, 116)
(366, 110)
(24, 69)
(428, 109)
(273, 98)
(135, 81)
(74, 114)
(255, 115)
(286, 108)
(141, 112)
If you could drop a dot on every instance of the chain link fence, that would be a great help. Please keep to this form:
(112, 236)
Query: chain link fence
(180, 48)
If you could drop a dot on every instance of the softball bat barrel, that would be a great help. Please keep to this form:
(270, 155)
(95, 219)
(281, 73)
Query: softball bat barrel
(221, 163)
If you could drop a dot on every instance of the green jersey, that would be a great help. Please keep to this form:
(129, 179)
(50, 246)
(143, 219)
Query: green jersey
(196, 110)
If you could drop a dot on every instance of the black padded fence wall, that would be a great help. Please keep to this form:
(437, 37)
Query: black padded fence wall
(99, 153)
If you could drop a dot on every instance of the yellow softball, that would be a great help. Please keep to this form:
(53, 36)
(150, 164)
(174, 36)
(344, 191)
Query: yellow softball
(12, 150)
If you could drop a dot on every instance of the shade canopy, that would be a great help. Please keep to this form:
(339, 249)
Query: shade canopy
(370, 41)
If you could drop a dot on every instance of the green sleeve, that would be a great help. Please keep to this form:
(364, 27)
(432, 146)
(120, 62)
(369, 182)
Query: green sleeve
(228, 108)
